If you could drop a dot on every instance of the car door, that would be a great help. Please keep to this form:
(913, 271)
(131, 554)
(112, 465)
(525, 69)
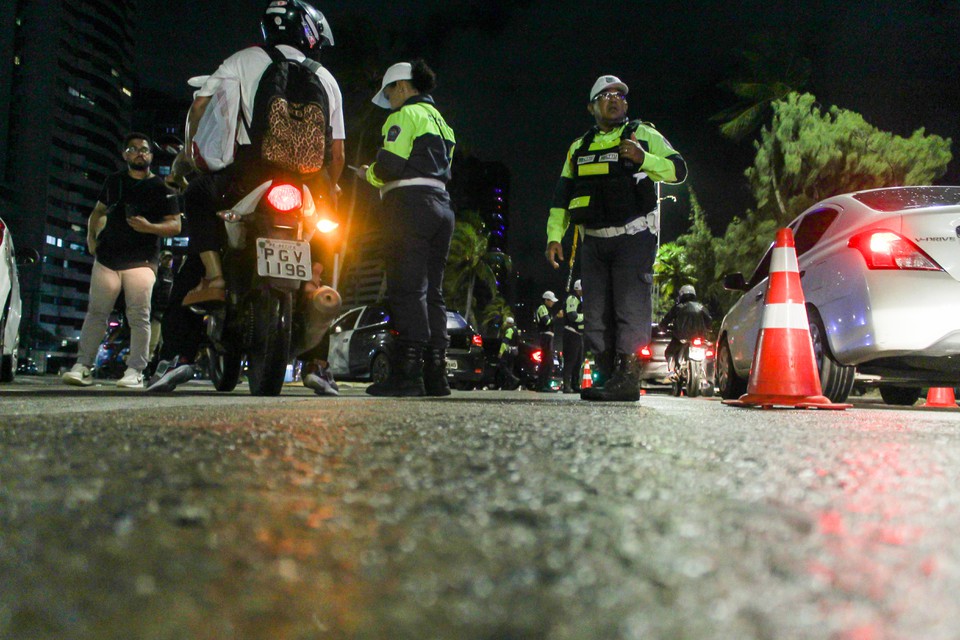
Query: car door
(368, 338)
(743, 320)
(340, 334)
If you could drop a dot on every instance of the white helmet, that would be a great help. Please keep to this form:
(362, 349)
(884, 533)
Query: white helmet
(508, 320)
(576, 285)
(548, 295)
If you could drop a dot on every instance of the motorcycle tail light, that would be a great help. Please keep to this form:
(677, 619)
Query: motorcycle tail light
(284, 197)
(645, 353)
(697, 342)
(536, 355)
(888, 250)
(476, 340)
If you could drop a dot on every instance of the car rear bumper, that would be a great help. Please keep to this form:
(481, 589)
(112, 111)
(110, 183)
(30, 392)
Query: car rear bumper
(895, 314)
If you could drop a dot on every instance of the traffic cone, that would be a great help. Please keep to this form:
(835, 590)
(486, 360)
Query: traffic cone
(784, 370)
(587, 381)
(941, 397)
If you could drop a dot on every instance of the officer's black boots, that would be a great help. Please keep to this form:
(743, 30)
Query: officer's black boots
(624, 384)
(435, 372)
(406, 373)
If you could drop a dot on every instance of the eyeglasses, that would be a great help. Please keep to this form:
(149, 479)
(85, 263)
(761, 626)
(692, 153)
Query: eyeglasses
(138, 150)
(611, 95)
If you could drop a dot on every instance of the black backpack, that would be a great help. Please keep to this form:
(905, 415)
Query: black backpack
(291, 115)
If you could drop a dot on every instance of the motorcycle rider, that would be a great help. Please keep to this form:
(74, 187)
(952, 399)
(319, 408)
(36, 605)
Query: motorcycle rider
(690, 319)
(298, 31)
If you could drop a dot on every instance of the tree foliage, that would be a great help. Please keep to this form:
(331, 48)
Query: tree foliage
(470, 262)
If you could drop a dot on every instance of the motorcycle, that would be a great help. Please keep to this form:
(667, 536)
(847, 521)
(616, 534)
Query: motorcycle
(271, 312)
(691, 377)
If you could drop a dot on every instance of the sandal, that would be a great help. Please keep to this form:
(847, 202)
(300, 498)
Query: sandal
(209, 290)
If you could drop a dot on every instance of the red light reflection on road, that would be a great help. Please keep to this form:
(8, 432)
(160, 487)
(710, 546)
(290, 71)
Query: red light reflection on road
(870, 537)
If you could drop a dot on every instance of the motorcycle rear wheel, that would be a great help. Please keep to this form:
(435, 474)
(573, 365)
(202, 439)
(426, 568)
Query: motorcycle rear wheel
(271, 317)
(694, 378)
(224, 369)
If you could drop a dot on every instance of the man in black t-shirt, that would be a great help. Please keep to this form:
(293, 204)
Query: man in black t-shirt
(135, 209)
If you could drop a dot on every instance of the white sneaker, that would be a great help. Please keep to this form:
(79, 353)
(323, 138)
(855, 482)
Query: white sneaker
(78, 376)
(132, 379)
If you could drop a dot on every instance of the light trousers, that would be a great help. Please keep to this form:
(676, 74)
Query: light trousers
(105, 286)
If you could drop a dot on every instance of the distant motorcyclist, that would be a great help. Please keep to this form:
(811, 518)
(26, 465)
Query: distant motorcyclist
(689, 318)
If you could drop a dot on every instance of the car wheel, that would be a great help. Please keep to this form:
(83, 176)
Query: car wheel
(463, 386)
(836, 380)
(899, 396)
(729, 384)
(380, 368)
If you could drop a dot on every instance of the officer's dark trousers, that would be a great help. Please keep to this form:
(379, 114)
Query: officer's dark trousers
(617, 276)
(572, 358)
(419, 225)
(546, 362)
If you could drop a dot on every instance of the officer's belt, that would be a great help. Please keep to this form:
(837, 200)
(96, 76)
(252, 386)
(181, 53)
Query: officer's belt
(574, 329)
(632, 227)
(412, 182)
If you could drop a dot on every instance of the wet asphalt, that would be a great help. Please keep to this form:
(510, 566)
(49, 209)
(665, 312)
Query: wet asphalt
(486, 515)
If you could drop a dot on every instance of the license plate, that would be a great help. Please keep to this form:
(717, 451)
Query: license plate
(283, 259)
(451, 365)
(697, 353)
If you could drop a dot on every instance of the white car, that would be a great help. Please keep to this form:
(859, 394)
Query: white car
(880, 272)
(9, 306)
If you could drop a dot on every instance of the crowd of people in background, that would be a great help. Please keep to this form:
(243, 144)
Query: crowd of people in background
(606, 191)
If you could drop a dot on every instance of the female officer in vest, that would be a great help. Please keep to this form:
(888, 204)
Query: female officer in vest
(411, 170)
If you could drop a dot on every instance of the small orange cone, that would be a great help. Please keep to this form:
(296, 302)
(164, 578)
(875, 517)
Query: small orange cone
(587, 381)
(784, 370)
(941, 397)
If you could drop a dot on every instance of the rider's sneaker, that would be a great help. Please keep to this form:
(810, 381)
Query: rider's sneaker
(78, 376)
(169, 374)
(322, 383)
(132, 379)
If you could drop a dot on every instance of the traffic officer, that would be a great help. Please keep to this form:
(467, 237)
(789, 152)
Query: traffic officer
(608, 186)
(544, 320)
(412, 170)
(509, 342)
(573, 339)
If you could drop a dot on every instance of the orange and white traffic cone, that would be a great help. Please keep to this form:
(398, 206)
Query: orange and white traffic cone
(587, 380)
(941, 397)
(784, 370)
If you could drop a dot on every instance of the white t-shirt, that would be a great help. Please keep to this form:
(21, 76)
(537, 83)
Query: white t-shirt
(248, 65)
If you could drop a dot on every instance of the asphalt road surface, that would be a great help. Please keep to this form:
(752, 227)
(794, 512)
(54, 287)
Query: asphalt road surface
(486, 515)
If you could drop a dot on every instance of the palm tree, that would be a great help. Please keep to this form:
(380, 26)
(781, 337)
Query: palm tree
(470, 260)
(673, 270)
(767, 76)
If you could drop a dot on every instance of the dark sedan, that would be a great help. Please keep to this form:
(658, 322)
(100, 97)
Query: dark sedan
(362, 339)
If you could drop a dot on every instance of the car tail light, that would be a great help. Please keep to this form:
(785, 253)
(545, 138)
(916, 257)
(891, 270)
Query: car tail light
(536, 355)
(2, 229)
(645, 353)
(284, 197)
(888, 250)
(710, 354)
(477, 340)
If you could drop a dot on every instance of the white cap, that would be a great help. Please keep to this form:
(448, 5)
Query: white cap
(399, 71)
(508, 320)
(576, 285)
(605, 82)
(548, 295)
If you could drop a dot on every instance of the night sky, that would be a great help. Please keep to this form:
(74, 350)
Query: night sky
(514, 77)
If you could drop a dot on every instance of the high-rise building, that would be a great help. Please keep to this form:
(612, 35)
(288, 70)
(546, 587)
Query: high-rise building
(66, 87)
(484, 187)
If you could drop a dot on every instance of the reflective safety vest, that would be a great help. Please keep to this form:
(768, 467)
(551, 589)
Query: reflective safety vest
(606, 192)
(572, 313)
(509, 339)
(544, 320)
